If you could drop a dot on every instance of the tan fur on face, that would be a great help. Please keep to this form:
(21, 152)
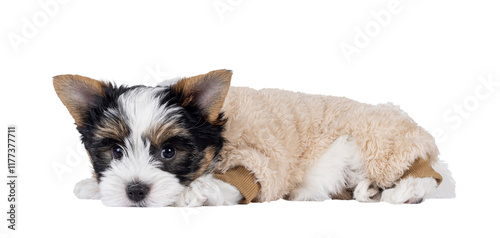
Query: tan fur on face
(77, 92)
(112, 129)
(278, 135)
(160, 133)
(207, 160)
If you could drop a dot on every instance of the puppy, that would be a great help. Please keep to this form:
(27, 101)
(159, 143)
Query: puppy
(201, 142)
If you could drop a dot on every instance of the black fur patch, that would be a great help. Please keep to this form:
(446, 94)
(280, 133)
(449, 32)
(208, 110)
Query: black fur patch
(201, 134)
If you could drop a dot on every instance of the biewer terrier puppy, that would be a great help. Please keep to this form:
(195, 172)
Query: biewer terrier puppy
(201, 142)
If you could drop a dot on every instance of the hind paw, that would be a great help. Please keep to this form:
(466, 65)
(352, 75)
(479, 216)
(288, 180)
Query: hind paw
(367, 191)
(409, 191)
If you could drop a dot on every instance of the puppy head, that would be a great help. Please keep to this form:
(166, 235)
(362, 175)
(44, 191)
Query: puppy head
(147, 143)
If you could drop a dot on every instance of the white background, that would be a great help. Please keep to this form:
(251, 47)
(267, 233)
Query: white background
(428, 58)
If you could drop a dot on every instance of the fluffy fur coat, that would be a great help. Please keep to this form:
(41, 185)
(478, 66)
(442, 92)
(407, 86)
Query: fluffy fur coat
(279, 134)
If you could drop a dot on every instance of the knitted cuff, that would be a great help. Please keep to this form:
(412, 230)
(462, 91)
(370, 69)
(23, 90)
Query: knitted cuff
(243, 180)
(422, 169)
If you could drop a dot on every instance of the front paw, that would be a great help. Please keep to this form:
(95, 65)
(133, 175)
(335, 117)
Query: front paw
(193, 195)
(208, 191)
(87, 189)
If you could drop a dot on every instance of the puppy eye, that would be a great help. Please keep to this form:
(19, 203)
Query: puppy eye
(168, 152)
(117, 152)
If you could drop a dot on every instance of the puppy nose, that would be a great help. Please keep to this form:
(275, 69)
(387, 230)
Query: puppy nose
(137, 191)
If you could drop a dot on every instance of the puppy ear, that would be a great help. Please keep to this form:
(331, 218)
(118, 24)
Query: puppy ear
(206, 91)
(78, 94)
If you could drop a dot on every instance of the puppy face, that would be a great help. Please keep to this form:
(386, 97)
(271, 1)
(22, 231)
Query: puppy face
(147, 143)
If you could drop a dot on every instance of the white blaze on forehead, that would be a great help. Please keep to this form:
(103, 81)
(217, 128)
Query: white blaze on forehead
(143, 109)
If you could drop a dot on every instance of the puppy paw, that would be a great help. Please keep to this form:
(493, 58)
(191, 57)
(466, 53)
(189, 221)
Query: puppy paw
(198, 192)
(192, 196)
(367, 191)
(409, 191)
(87, 189)
(208, 191)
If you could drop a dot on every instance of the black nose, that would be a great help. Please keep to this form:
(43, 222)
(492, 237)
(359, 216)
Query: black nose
(137, 191)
